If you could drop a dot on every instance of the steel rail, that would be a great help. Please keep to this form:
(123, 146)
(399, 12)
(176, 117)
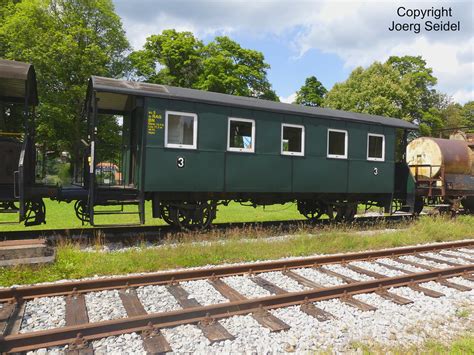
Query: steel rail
(155, 321)
(159, 231)
(159, 278)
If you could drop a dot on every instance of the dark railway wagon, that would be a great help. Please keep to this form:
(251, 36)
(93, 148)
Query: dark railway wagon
(189, 150)
(20, 193)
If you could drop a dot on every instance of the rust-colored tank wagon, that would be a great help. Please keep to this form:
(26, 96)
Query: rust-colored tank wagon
(188, 151)
(443, 170)
(440, 156)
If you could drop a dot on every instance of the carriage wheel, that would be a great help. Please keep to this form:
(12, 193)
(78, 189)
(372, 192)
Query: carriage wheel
(468, 204)
(396, 206)
(35, 213)
(312, 210)
(313, 215)
(197, 216)
(166, 214)
(208, 214)
(419, 204)
(179, 218)
(82, 211)
(346, 213)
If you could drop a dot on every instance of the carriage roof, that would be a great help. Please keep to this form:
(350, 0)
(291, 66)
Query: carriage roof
(113, 95)
(17, 82)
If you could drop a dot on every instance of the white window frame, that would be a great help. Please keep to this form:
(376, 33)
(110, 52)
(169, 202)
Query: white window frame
(283, 125)
(383, 146)
(195, 127)
(241, 150)
(346, 144)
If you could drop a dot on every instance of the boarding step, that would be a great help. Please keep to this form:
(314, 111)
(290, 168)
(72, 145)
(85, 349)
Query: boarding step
(25, 252)
(120, 204)
(9, 211)
(114, 212)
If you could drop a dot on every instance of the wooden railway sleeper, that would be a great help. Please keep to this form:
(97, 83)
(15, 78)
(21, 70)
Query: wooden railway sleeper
(310, 309)
(93, 331)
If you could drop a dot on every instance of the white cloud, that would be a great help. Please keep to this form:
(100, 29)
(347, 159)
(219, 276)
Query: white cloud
(453, 75)
(463, 95)
(144, 17)
(356, 31)
(288, 99)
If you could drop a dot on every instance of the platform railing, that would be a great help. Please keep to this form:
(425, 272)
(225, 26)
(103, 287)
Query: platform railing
(111, 165)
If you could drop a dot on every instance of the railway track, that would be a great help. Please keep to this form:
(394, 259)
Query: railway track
(408, 267)
(115, 233)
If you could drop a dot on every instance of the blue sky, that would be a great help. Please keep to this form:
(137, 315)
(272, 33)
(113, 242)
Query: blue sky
(289, 70)
(325, 38)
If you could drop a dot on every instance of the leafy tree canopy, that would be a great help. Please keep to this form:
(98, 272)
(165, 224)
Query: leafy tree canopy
(467, 114)
(451, 116)
(180, 59)
(171, 58)
(67, 41)
(402, 87)
(311, 93)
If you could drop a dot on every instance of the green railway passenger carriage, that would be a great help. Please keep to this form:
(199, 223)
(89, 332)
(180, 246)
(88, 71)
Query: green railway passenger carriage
(188, 151)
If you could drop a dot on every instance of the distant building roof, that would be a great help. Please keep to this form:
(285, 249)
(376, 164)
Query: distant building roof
(114, 93)
(17, 82)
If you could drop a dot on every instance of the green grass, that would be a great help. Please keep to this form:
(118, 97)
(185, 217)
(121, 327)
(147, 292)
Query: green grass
(463, 313)
(74, 263)
(462, 345)
(62, 215)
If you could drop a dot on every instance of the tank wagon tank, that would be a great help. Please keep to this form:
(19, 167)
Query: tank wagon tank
(444, 171)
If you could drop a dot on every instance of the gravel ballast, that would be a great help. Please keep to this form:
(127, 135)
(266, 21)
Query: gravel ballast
(44, 313)
(390, 325)
(157, 299)
(104, 305)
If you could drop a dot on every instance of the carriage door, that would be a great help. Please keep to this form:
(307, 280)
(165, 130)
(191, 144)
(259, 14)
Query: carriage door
(134, 145)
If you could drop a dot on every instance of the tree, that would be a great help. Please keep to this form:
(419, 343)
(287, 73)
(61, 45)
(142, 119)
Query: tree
(67, 41)
(180, 59)
(172, 58)
(230, 69)
(452, 117)
(422, 81)
(402, 87)
(5, 7)
(311, 93)
(467, 114)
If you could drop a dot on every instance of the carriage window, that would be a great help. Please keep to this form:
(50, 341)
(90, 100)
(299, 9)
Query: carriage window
(292, 139)
(376, 147)
(241, 137)
(181, 130)
(337, 144)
